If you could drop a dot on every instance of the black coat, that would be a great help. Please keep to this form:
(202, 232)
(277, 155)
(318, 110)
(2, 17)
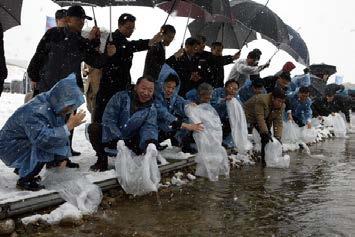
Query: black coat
(154, 60)
(3, 69)
(215, 73)
(60, 53)
(184, 66)
(320, 106)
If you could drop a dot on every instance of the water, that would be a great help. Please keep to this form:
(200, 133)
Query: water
(314, 197)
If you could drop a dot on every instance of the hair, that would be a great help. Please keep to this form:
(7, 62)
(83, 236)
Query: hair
(204, 87)
(286, 76)
(257, 83)
(227, 83)
(201, 38)
(255, 54)
(172, 77)
(216, 44)
(146, 77)
(306, 70)
(126, 17)
(61, 13)
(166, 29)
(278, 93)
(304, 89)
(191, 41)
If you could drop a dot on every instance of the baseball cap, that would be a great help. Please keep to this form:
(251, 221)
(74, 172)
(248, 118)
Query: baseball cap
(78, 11)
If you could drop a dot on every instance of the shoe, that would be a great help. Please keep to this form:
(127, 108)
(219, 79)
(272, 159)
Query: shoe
(29, 184)
(16, 171)
(71, 164)
(188, 149)
(99, 167)
(75, 153)
(160, 147)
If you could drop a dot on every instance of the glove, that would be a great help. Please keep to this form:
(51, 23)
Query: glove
(176, 124)
(266, 137)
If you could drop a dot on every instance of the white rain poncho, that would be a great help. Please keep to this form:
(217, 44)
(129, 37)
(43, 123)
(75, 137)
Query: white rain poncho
(137, 175)
(290, 133)
(74, 188)
(239, 127)
(212, 160)
(273, 155)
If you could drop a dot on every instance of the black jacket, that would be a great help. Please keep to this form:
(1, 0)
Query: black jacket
(320, 106)
(3, 69)
(154, 60)
(60, 53)
(184, 66)
(116, 74)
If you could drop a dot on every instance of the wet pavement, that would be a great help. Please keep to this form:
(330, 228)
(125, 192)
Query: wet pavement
(314, 197)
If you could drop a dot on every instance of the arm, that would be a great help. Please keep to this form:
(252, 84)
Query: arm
(139, 45)
(278, 124)
(246, 69)
(260, 116)
(111, 117)
(93, 57)
(149, 130)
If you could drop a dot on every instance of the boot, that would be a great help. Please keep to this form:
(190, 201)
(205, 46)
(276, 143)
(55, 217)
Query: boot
(75, 153)
(101, 164)
(30, 184)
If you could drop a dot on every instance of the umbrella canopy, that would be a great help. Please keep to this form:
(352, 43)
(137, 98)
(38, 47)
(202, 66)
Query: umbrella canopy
(104, 3)
(10, 13)
(261, 19)
(296, 47)
(230, 34)
(320, 69)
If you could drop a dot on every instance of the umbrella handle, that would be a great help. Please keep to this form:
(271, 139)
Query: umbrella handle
(187, 23)
(170, 11)
(110, 38)
(269, 61)
(93, 13)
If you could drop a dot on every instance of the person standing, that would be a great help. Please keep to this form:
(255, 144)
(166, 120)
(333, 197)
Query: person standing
(61, 18)
(3, 69)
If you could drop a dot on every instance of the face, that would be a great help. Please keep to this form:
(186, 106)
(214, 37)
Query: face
(277, 103)
(329, 98)
(76, 23)
(191, 49)
(231, 89)
(169, 88)
(303, 96)
(168, 38)
(127, 28)
(282, 82)
(145, 90)
(201, 46)
(252, 62)
(205, 97)
(62, 22)
(217, 51)
(257, 90)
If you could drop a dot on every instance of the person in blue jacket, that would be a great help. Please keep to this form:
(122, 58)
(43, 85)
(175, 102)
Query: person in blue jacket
(298, 107)
(251, 88)
(170, 106)
(36, 134)
(130, 116)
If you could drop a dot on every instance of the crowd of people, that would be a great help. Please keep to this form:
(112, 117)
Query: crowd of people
(153, 109)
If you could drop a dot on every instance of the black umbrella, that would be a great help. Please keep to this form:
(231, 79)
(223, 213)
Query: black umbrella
(230, 34)
(104, 3)
(321, 69)
(10, 13)
(261, 19)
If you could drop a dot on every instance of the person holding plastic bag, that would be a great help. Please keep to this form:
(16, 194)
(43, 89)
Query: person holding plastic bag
(251, 88)
(130, 116)
(298, 107)
(36, 134)
(170, 106)
(264, 111)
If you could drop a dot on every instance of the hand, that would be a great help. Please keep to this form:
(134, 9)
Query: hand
(192, 104)
(94, 33)
(76, 119)
(179, 53)
(266, 137)
(197, 127)
(195, 76)
(156, 39)
(266, 65)
(229, 97)
(63, 164)
(237, 55)
(309, 125)
(333, 114)
(111, 50)
(289, 117)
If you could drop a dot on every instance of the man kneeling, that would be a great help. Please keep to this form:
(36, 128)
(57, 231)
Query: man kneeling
(36, 134)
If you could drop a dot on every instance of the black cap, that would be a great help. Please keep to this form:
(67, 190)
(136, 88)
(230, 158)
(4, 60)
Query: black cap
(61, 13)
(78, 11)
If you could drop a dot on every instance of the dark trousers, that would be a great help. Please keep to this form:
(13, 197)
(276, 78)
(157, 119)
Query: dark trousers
(34, 172)
(264, 141)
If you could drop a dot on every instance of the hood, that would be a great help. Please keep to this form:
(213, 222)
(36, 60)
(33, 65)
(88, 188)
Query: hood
(65, 93)
(166, 70)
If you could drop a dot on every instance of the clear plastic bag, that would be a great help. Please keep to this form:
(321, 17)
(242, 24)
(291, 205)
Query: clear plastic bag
(309, 135)
(291, 133)
(212, 160)
(257, 140)
(239, 128)
(339, 126)
(273, 155)
(137, 175)
(74, 188)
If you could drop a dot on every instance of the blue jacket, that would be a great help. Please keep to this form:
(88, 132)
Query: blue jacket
(246, 92)
(299, 81)
(301, 111)
(36, 132)
(219, 103)
(121, 122)
(168, 110)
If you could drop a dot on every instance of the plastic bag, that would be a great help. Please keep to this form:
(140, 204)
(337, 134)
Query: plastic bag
(137, 175)
(308, 135)
(290, 133)
(339, 126)
(273, 155)
(257, 140)
(74, 188)
(238, 125)
(212, 160)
